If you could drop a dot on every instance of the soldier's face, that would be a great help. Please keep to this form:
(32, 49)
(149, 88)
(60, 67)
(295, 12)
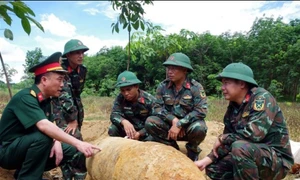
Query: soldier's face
(53, 84)
(130, 93)
(232, 89)
(75, 57)
(176, 73)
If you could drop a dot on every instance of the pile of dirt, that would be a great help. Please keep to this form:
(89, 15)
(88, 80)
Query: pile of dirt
(95, 130)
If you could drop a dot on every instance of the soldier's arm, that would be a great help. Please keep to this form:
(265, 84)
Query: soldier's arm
(159, 106)
(117, 115)
(199, 109)
(260, 120)
(69, 109)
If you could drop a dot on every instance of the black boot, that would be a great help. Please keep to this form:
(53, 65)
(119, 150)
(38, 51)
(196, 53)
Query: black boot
(192, 155)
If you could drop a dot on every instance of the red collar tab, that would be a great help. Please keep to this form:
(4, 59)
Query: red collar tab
(188, 85)
(142, 100)
(47, 68)
(70, 69)
(40, 96)
(247, 98)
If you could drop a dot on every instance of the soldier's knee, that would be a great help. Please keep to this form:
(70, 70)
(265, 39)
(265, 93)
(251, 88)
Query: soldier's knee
(150, 122)
(240, 148)
(112, 130)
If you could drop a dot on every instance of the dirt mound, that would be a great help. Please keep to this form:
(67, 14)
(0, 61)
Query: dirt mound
(95, 130)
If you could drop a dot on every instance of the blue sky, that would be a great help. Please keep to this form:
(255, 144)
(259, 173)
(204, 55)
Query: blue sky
(90, 22)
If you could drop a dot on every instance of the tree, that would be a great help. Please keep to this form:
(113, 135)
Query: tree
(10, 72)
(22, 11)
(32, 58)
(131, 16)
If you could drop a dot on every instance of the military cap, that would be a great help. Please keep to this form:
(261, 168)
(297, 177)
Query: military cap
(48, 64)
(74, 45)
(127, 78)
(179, 59)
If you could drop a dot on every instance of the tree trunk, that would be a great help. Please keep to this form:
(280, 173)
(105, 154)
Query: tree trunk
(6, 77)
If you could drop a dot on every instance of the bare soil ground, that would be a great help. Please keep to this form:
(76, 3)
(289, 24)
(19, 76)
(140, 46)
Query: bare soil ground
(93, 130)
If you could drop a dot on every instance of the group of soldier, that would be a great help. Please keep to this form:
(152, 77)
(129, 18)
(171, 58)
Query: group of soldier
(254, 143)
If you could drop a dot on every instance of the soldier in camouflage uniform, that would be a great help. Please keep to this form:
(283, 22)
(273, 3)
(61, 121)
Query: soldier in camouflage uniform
(255, 141)
(29, 140)
(68, 108)
(180, 108)
(131, 108)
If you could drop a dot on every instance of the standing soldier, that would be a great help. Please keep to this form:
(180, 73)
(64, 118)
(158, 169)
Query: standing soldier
(29, 142)
(255, 141)
(180, 109)
(131, 108)
(68, 108)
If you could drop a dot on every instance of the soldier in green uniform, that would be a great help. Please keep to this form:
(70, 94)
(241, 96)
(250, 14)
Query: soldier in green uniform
(131, 108)
(29, 142)
(255, 140)
(67, 108)
(180, 108)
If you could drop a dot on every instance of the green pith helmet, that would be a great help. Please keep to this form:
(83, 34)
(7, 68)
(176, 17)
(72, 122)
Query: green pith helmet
(74, 45)
(238, 71)
(179, 59)
(127, 78)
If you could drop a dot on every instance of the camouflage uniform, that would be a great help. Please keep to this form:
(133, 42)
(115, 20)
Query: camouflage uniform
(189, 105)
(255, 141)
(68, 106)
(135, 113)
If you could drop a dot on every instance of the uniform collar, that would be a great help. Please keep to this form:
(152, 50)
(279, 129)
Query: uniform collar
(141, 98)
(36, 92)
(66, 66)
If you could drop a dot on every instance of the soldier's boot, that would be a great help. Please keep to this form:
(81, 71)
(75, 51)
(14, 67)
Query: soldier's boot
(193, 155)
(174, 145)
(80, 176)
(66, 172)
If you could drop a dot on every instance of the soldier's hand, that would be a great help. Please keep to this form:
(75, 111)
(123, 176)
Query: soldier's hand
(57, 151)
(181, 133)
(215, 148)
(201, 164)
(71, 127)
(137, 136)
(129, 129)
(88, 149)
(173, 132)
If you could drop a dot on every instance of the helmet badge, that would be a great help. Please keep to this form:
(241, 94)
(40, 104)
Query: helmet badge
(172, 58)
(79, 43)
(123, 79)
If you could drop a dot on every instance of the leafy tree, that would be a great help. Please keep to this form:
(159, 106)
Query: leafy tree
(32, 58)
(131, 16)
(22, 11)
(10, 72)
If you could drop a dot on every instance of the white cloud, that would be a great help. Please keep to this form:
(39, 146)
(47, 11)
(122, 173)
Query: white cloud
(57, 27)
(92, 11)
(14, 56)
(108, 11)
(83, 2)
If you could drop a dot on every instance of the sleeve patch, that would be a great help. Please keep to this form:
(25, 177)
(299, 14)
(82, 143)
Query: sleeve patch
(259, 105)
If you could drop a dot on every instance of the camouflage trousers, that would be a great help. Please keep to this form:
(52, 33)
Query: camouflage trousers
(195, 132)
(75, 167)
(118, 131)
(248, 161)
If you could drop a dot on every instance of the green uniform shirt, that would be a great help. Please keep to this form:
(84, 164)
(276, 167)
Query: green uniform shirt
(21, 114)
(190, 102)
(136, 113)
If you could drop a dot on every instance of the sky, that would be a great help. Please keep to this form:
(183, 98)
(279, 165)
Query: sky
(90, 22)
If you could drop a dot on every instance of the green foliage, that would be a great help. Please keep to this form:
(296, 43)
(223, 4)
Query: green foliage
(275, 89)
(32, 58)
(22, 11)
(9, 71)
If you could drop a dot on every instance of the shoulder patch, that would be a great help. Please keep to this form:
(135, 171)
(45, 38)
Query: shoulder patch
(33, 93)
(259, 104)
(202, 94)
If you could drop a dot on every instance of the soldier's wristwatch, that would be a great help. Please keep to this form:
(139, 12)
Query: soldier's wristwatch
(178, 124)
